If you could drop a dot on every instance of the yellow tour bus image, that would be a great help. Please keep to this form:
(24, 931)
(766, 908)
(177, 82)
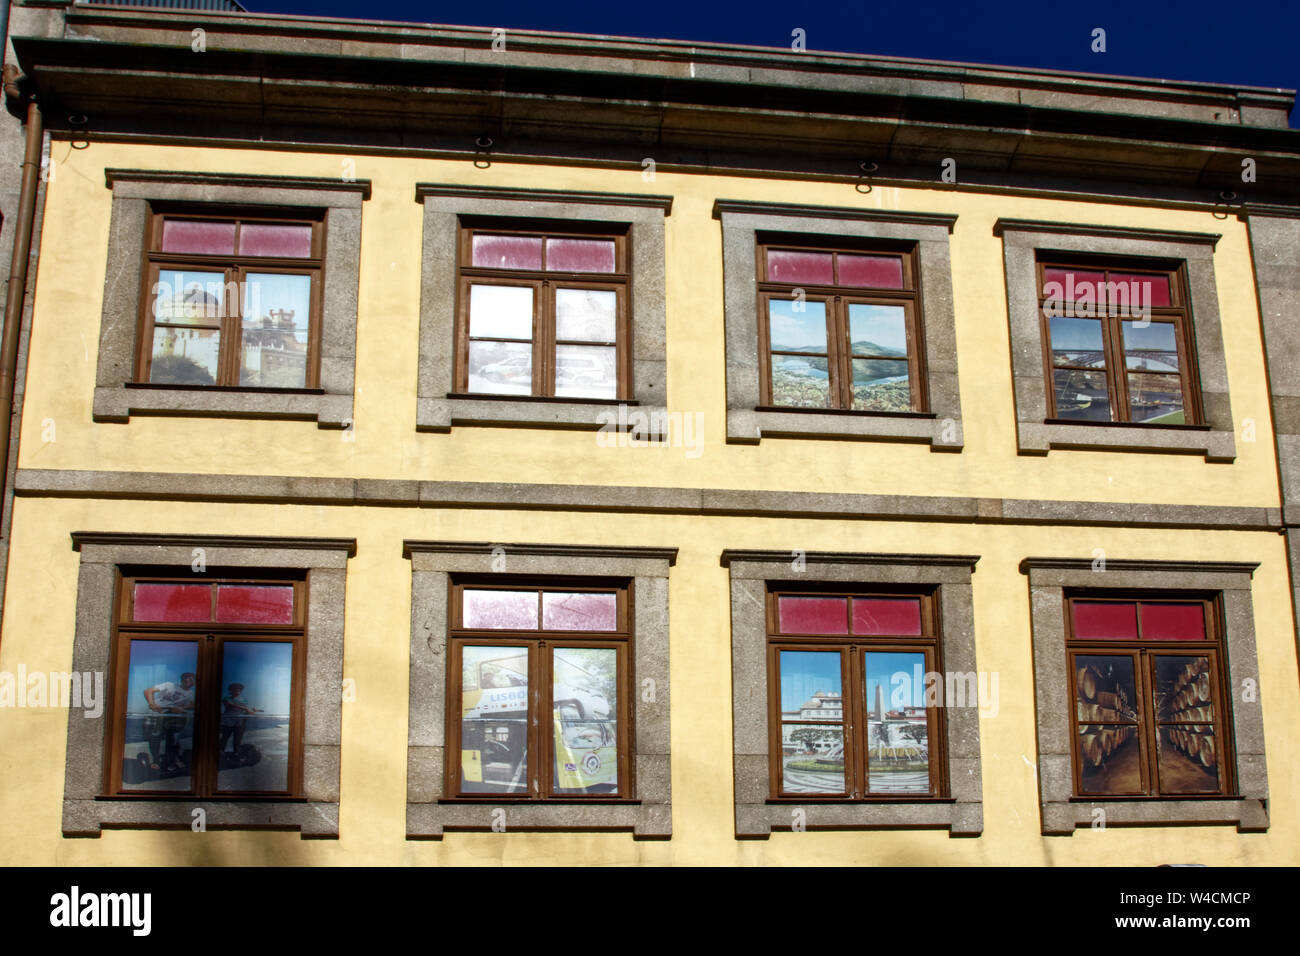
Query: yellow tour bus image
(495, 698)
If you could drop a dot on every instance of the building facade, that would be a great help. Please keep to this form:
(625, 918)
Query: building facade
(446, 446)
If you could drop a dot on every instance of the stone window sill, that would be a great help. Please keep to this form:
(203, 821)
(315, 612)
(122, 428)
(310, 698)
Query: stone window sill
(1216, 445)
(119, 403)
(1248, 815)
(760, 821)
(750, 426)
(440, 414)
(86, 818)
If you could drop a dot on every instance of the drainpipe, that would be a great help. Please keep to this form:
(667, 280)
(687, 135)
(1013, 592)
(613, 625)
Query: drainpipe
(16, 292)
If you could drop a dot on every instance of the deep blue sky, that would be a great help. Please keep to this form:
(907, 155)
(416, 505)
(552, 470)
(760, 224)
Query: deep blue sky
(1246, 42)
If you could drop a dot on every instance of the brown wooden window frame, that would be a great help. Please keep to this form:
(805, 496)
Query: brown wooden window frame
(544, 284)
(233, 267)
(838, 299)
(1177, 313)
(1144, 652)
(540, 783)
(854, 707)
(210, 638)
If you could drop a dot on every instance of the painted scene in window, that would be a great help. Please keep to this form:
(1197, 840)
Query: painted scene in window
(1110, 754)
(898, 738)
(501, 332)
(158, 743)
(812, 753)
(878, 340)
(187, 310)
(277, 318)
(253, 741)
(1187, 752)
(584, 694)
(800, 380)
(494, 719)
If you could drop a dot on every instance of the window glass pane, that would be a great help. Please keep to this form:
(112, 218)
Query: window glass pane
(898, 739)
(800, 382)
(1152, 290)
(184, 356)
(815, 268)
(1153, 348)
(158, 743)
(876, 272)
(572, 611)
(189, 235)
(586, 371)
(277, 317)
(1183, 691)
(584, 693)
(1173, 622)
(585, 315)
(503, 368)
(1188, 758)
(507, 252)
(173, 602)
(1156, 399)
(255, 603)
(494, 720)
(1071, 285)
(797, 326)
(508, 610)
(812, 615)
(1105, 619)
(501, 311)
(256, 706)
(1081, 395)
(812, 754)
(1109, 752)
(580, 255)
(1188, 754)
(189, 298)
(896, 616)
(881, 385)
(1077, 342)
(878, 329)
(268, 239)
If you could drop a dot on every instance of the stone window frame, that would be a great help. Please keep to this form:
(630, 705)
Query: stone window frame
(86, 810)
(648, 815)
(757, 814)
(1022, 240)
(940, 426)
(438, 408)
(118, 396)
(1062, 810)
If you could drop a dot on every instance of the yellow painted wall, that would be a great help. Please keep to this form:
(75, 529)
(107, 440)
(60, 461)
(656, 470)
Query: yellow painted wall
(40, 618)
(69, 294)
(41, 597)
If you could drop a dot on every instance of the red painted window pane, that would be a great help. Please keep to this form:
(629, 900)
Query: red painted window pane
(876, 272)
(189, 235)
(567, 611)
(255, 604)
(262, 239)
(813, 615)
(901, 616)
(1152, 290)
(501, 610)
(1173, 622)
(1102, 620)
(173, 602)
(580, 255)
(815, 268)
(1071, 283)
(508, 252)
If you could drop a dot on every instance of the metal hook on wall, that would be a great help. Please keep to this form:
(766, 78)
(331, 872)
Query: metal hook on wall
(78, 121)
(865, 177)
(482, 147)
(1228, 199)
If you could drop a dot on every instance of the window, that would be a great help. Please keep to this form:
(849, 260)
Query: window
(856, 700)
(174, 735)
(208, 681)
(839, 324)
(541, 308)
(246, 305)
(849, 695)
(838, 328)
(1136, 722)
(232, 301)
(543, 312)
(1149, 705)
(542, 692)
(1118, 343)
(539, 693)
